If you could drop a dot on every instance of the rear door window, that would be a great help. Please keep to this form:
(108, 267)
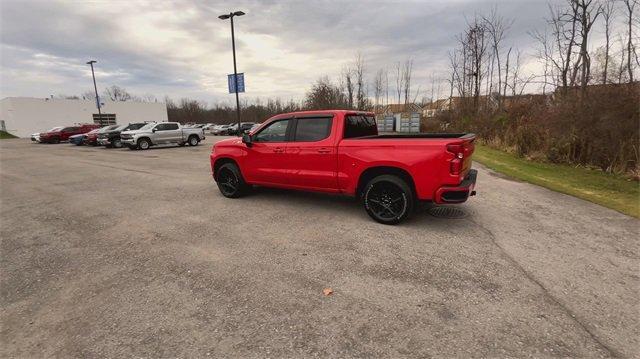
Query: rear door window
(359, 126)
(313, 129)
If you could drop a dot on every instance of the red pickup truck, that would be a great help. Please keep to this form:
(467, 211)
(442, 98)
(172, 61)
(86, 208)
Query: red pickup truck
(340, 151)
(63, 133)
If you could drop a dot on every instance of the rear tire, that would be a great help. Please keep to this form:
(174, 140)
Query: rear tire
(388, 199)
(193, 140)
(55, 140)
(230, 181)
(144, 144)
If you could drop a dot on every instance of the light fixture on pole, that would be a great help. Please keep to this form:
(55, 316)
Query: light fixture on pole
(231, 15)
(96, 89)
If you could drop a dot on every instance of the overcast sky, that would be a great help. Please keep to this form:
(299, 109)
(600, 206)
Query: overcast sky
(181, 48)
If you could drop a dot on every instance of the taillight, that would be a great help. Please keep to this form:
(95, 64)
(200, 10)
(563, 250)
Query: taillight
(455, 166)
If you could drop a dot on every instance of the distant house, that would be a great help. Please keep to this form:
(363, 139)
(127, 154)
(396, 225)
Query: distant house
(508, 102)
(433, 108)
(395, 109)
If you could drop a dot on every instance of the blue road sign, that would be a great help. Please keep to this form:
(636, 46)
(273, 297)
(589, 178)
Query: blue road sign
(232, 83)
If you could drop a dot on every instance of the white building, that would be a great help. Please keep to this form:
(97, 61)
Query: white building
(22, 116)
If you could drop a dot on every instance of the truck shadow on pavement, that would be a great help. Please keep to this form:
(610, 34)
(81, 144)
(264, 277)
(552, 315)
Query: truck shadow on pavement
(349, 206)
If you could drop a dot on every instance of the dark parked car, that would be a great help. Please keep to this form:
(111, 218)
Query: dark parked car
(112, 138)
(246, 126)
(92, 137)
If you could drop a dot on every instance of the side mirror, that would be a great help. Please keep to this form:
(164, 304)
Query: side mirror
(246, 139)
(154, 129)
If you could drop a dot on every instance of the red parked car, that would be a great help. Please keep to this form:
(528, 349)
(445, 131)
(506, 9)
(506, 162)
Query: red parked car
(64, 133)
(340, 151)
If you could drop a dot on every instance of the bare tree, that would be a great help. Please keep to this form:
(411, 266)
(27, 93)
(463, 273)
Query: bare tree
(378, 88)
(586, 16)
(456, 68)
(407, 71)
(506, 73)
(89, 95)
(474, 43)
(545, 54)
(497, 27)
(630, 6)
(386, 84)
(399, 80)
(621, 70)
(348, 86)
(117, 93)
(607, 14)
(152, 98)
(564, 24)
(361, 90)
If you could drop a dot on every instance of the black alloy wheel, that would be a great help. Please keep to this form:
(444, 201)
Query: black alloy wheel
(230, 181)
(388, 199)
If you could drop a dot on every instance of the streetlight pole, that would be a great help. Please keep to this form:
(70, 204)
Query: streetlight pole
(235, 69)
(95, 88)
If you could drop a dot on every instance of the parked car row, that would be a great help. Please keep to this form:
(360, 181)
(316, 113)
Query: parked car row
(141, 135)
(232, 129)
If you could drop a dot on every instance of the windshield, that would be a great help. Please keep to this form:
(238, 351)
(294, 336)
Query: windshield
(148, 126)
(55, 129)
(134, 126)
(109, 128)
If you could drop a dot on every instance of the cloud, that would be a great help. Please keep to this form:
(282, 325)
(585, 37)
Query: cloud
(181, 48)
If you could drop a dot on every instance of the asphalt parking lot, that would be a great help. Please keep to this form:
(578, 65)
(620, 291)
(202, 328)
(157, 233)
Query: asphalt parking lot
(118, 253)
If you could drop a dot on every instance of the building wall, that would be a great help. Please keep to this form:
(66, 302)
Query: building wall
(23, 116)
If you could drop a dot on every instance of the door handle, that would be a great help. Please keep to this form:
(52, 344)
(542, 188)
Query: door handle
(278, 150)
(324, 150)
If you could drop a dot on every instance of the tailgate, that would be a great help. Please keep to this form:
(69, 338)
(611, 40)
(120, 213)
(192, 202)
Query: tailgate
(469, 148)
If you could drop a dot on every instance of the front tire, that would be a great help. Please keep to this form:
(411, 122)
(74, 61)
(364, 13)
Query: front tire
(388, 199)
(230, 181)
(117, 143)
(144, 144)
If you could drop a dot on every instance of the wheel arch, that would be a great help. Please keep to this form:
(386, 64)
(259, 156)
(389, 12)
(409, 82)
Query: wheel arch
(372, 172)
(144, 138)
(219, 163)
